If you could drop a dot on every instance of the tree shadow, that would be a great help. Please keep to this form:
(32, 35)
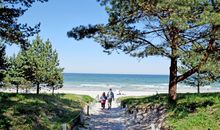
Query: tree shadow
(155, 99)
(108, 119)
(190, 102)
(186, 102)
(4, 120)
(30, 111)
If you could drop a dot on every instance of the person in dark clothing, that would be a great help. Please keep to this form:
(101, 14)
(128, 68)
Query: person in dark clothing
(103, 99)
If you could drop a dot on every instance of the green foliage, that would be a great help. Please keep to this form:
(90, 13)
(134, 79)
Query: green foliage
(55, 76)
(169, 28)
(207, 74)
(11, 30)
(196, 112)
(29, 111)
(15, 74)
(41, 64)
(140, 100)
(3, 64)
(132, 25)
(192, 111)
(35, 66)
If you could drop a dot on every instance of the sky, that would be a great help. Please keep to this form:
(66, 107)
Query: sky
(86, 56)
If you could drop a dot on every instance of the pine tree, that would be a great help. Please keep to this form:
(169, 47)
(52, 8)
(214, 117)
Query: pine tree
(207, 74)
(3, 64)
(14, 75)
(199, 79)
(41, 65)
(11, 31)
(55, 80)
(165, 28)
(55, 73)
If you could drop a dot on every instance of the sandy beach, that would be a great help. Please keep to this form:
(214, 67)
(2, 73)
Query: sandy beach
(95, 93)
(135, 93)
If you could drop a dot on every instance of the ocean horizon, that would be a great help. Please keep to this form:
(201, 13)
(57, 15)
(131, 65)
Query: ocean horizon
(130, 82)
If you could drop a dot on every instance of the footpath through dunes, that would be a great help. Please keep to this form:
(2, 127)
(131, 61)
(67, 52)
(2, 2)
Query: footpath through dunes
(107, 119)
(120, 119)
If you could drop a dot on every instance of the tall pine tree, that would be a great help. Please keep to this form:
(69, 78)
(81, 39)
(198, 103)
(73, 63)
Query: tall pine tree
(55, 73)
(14, 75)
(11, 31)
(167, 28)
(41, 65)
(207, 74)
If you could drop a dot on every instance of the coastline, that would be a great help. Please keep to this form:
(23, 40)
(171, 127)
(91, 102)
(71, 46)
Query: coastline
(149, 92)
(95, 92)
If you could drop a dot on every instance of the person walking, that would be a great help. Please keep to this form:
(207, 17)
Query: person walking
(110, 97)
(103, 99)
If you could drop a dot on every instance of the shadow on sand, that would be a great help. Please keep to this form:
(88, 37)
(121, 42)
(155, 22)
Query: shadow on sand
(108, 119)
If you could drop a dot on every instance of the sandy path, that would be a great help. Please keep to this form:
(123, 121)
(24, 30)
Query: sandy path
(106, 119)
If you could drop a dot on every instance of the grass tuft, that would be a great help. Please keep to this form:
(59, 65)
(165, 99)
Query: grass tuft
(192, 111)
(44, 111)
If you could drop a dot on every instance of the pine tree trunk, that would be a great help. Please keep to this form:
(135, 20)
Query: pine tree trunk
(173, 67)
(198, 89)
(173, 81)
(38, 88)
(198, 83)
(17, 89)
(53, 91)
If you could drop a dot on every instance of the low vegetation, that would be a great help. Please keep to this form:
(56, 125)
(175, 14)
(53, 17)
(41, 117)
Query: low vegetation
(192, 111)
(30, 111)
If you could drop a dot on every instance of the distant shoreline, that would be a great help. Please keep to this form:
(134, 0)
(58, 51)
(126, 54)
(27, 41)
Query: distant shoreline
(149, 92)
(125, 82)
(94, 93)
(116, 74)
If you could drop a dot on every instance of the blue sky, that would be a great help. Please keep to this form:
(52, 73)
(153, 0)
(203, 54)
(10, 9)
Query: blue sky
(57, 17)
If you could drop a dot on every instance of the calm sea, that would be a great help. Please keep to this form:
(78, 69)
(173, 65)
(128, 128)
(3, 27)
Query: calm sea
(116, 81)
(84, 81)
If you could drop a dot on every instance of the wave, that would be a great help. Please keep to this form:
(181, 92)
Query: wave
(96, 86)
(100, 85)
(117, 86)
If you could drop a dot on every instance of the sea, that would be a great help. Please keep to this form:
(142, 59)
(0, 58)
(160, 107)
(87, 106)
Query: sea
(124, 82)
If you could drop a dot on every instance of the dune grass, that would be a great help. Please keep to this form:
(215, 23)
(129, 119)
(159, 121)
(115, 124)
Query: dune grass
(192, 111)
(44, 111)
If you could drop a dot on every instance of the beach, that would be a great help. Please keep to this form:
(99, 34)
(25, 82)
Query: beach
(95, 93)
(129, 85)
(133, 92)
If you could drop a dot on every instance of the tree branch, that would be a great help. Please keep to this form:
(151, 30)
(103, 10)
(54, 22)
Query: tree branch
(203, 60)
(159, 49)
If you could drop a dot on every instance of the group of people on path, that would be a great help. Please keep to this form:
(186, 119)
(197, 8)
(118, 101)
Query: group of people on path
(109, 98)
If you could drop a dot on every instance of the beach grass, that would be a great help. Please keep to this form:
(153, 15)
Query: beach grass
(192, 111)
(44, 111)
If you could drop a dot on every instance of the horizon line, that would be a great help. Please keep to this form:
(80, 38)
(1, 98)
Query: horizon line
(112, 73)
